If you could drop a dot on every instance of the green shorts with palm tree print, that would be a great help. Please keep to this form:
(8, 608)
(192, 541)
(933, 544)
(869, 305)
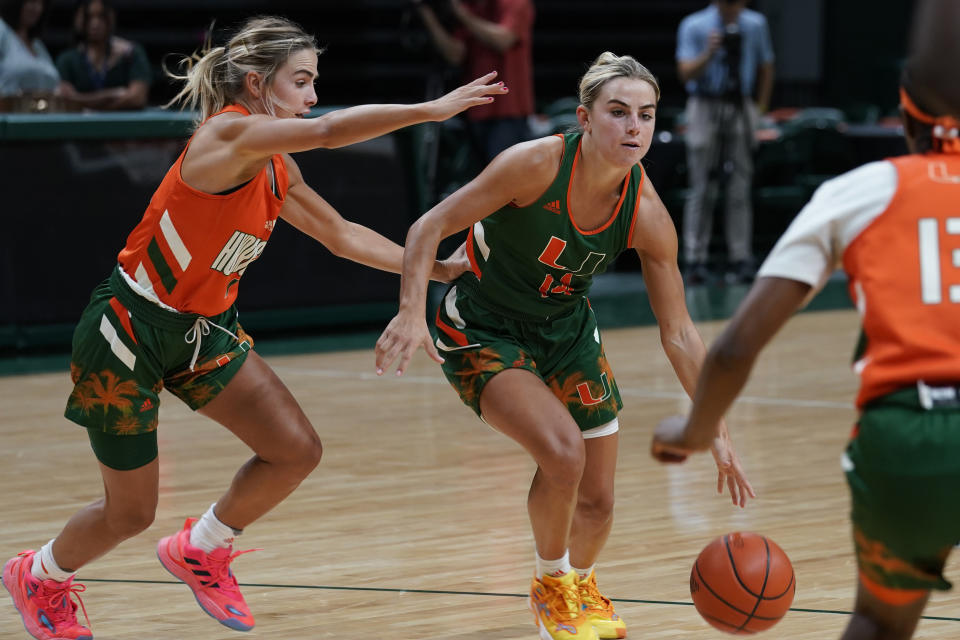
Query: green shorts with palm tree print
(126, 349)
(903, 468)
(565, 352)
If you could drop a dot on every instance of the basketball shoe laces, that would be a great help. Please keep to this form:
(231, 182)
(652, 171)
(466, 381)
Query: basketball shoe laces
(58, 601)
(593, 600)
(218, 566)
(563, 602)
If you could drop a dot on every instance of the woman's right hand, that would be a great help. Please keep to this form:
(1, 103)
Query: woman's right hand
(402, 337)
(478, 92)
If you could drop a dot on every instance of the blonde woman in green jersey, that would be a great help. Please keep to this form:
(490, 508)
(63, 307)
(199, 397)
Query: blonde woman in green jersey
(520, 342)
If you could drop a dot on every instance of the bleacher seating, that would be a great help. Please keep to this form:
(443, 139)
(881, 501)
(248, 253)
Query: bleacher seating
(377, 51)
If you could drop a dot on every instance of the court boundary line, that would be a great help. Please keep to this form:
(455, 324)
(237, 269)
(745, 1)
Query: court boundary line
(459, 593)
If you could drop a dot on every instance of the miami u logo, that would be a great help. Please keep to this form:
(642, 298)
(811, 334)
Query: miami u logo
(550, 256)
(586, 396)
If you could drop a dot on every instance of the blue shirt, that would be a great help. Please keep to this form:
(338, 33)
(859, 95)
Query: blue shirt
(23, 69)
(756, 49)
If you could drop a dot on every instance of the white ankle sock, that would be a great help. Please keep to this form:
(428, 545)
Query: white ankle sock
(583, 573)
(46, 568)
(208, 533)
(553, 568)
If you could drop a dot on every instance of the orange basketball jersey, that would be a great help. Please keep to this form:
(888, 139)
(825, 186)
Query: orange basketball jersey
(190, 249)
(904, 276)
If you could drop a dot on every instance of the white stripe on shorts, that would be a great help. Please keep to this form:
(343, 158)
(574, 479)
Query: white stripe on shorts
(119, 349)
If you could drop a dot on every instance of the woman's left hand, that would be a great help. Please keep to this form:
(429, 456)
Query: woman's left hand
(406, 333)
(730, 471)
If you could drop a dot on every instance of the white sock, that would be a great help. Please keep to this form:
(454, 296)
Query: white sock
(46, 568)
(583, 573)
(554, 568)
(208, 533)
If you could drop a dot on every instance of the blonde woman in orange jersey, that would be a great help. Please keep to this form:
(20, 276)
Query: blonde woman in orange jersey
(894, 227)
(165, 318)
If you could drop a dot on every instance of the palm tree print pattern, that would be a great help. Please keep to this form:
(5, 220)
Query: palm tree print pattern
(117, 402)
(476, 367)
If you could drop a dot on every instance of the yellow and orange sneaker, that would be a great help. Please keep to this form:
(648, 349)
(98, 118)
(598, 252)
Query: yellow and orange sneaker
(555, 603)
(599, 610)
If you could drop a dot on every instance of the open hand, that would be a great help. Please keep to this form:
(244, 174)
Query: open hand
(670, 445)
(730, 471)
(402, 337)
(474, 94)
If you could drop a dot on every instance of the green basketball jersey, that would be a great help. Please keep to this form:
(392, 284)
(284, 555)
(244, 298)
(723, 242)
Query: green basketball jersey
(533, 262)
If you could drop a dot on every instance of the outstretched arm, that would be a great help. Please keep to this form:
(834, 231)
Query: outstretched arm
(263, 136)
(518, 175)
(767, 307)
(314, 216)
(655, 240)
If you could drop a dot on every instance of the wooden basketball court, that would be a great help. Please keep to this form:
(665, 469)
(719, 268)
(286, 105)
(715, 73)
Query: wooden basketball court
(414, 525)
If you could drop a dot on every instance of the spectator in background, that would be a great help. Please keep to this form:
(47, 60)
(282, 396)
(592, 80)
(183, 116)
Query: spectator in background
(104, 71)
(725, 57)
(492, 34)
(25, 64)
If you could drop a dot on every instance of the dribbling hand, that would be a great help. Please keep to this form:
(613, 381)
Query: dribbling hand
(729, 470)
(401, 338)
(670, 445)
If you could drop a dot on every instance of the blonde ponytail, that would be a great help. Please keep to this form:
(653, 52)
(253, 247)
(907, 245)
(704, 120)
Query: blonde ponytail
(213, 78)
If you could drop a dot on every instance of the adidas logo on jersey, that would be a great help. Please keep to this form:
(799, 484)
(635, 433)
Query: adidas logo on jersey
(553, 207)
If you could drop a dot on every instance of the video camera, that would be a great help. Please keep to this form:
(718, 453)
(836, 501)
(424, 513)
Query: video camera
(733, 43)
(733, 47)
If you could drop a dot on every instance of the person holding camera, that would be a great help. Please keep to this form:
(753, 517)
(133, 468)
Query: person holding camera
(725, 57)
(489, 34)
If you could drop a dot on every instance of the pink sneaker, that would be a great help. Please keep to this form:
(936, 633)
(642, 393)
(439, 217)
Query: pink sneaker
(46, 606)
(208, 575)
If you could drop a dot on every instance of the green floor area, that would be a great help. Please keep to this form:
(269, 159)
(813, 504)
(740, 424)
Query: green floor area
(618, 299)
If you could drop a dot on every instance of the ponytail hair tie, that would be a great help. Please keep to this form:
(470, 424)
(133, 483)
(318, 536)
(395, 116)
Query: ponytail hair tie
(945, 129)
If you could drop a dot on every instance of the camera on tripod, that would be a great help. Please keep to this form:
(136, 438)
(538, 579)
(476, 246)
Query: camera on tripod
(732, 43)
(733, 48)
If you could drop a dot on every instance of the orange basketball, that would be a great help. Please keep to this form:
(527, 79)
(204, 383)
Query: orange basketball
(742, 583)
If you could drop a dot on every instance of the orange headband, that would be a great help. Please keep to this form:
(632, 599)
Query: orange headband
(946, 129)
